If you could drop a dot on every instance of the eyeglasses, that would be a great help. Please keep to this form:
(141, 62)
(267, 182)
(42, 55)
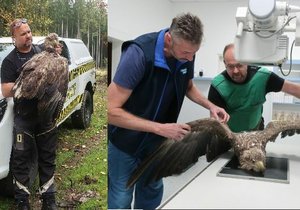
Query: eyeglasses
(19, 23)
(233, 66)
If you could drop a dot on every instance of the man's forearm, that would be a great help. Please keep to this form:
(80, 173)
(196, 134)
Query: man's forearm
(6, 89)
(121, 118)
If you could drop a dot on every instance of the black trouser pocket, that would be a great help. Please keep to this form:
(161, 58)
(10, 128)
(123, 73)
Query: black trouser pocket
(20, 138)
(19, 141)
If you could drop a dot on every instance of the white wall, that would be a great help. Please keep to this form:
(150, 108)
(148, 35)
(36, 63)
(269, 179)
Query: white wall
(218, 18)
(128, 19)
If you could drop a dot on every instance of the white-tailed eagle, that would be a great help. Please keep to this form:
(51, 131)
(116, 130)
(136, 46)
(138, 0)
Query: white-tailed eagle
(45, 78)
(174, 157)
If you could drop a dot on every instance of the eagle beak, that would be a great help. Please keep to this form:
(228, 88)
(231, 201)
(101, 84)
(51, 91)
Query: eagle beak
(260, 167)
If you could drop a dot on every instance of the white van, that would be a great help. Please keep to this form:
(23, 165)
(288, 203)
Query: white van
(78, 105)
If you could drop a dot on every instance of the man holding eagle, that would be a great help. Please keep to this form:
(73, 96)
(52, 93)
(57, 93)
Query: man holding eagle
(38, 82)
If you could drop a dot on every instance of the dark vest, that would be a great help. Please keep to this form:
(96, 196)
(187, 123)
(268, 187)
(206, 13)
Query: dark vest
(158, 97)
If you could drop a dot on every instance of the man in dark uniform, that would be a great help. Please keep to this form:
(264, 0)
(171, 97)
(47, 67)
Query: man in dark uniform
(27, 128)
(144, 100)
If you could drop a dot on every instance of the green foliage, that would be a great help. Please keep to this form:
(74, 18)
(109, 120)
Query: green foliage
(47, 16)
(88, 177)
(5, 203)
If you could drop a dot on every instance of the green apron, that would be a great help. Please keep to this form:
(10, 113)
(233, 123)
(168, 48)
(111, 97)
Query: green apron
(244, 101)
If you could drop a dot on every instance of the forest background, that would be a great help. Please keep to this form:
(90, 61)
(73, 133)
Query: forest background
(82, 19)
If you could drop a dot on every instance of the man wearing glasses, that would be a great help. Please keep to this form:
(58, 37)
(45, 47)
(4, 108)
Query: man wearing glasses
(27, 128)
(241, 91)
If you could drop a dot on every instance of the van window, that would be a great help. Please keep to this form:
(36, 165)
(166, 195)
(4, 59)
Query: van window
(81, 53)
(65, 52)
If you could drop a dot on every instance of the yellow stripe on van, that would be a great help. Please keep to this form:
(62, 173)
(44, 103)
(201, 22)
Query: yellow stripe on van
(80, 70)
(67, 110)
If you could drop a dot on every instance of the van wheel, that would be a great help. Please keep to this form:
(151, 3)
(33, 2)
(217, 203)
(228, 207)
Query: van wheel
(82, 117)
(6, 184)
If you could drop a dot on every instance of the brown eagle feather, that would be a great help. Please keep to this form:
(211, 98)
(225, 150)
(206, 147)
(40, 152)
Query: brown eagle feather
(45, 78)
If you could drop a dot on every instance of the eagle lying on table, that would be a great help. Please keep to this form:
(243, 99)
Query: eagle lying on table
(174, 157)
(45, 77)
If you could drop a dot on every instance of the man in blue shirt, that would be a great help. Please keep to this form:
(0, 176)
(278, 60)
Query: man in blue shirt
(144, 100)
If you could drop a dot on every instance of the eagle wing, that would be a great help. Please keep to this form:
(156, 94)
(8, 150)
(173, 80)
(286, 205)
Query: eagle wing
(44, 77)
(30, 79)
(208, 136)
(174, 157)
(285, 127)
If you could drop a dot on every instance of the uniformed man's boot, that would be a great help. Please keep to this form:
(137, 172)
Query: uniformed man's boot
(49, 202)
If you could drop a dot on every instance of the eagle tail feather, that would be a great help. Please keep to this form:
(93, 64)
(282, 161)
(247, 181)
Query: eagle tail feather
(172, 157)
(162, 149)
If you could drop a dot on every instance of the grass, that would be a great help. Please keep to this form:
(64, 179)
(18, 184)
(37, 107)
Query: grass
(88, 178)
(5, 203)
(82, 160)
(81, 173)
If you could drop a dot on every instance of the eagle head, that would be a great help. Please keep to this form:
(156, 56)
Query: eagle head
(51, 42)
(253, 159)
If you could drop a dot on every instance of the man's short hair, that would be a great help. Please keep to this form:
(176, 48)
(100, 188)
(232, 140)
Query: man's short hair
(16, 24)
(188, 27)
(227, 47)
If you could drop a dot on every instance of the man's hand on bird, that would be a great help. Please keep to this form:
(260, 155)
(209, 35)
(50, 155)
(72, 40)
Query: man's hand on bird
(175, 131)
(219, 114)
